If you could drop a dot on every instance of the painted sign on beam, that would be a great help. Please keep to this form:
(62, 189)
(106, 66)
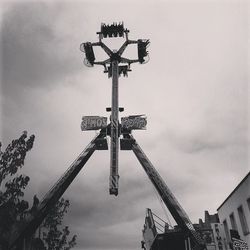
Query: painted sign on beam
(93, 122)
(134, 122)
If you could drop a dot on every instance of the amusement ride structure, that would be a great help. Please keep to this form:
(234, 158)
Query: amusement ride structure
(120, 134)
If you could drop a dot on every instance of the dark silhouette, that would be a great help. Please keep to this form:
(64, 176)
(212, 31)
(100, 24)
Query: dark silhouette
(14, 210)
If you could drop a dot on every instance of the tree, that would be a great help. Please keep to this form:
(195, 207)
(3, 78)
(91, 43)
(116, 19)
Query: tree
(12, 206)
(14, 209)
(54, 238)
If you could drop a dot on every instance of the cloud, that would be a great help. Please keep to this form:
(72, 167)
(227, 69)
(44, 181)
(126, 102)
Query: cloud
(34, 53)
(194, 91)
(197, 141)
(108, 222)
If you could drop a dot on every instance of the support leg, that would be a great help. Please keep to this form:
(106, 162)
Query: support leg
(54, 194)
(168, 198)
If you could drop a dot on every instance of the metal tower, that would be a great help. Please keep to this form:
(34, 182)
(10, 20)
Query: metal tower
(115, 66)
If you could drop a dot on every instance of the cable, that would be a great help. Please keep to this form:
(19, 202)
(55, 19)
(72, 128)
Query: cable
(163, 207)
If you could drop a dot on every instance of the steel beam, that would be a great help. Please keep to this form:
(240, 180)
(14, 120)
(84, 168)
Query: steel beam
(33, 221)
(114, 147)
(168, 198)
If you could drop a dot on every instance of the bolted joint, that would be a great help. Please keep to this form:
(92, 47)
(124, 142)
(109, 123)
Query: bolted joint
(122, 70)
(115, 57)
(101, 144)
(108, 109)
(126, 143)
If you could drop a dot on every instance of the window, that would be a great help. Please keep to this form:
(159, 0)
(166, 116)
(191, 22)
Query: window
(233, 222)
(243, 221)
(226, 229)
(248, 203)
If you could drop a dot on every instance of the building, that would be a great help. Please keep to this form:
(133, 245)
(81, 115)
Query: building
(229, 229)
(212, 232)
(157, 235)
(234, 212)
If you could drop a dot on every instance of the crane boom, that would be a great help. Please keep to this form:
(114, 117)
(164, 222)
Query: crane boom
(168, 198)
(33, 221)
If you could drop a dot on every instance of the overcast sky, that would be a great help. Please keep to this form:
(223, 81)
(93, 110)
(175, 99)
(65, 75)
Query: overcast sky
(193, 90)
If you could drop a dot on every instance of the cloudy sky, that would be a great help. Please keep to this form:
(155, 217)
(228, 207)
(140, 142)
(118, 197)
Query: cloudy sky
(193, 90)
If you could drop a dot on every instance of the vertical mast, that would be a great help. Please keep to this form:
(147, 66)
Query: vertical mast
(113, 181)
(115, 65)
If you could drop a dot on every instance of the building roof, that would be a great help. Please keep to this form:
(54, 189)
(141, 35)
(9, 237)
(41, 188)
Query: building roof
(211, 218)
(234, 190)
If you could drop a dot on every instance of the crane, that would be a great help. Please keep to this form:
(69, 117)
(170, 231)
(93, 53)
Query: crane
(115, 66)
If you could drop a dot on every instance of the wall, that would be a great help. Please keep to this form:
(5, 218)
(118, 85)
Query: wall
(236, 199)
